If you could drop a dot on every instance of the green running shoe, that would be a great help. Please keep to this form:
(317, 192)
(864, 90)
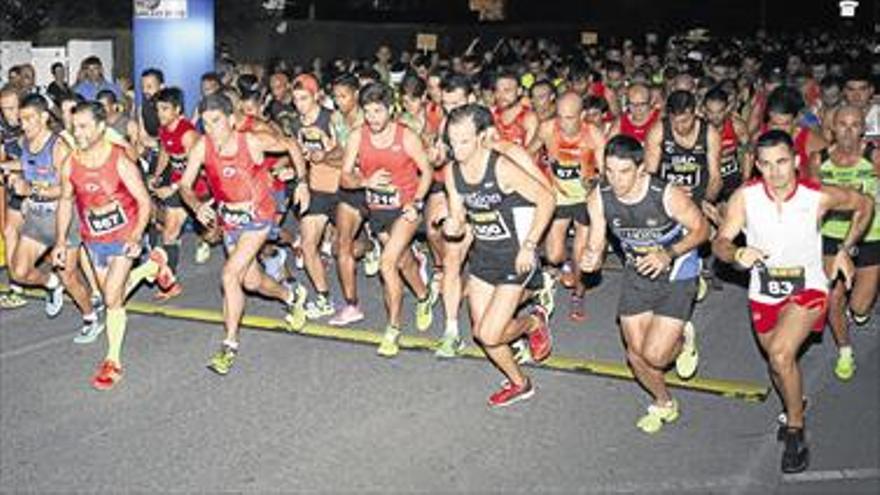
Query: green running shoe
(689, 358)
(653, 421)
(449, 347)
(845, 367)
(388, 347)
(222, 360)
(425, 311)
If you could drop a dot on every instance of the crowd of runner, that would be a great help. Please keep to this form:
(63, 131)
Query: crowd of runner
(501, 176)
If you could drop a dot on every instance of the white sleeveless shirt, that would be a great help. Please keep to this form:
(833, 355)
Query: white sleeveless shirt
(791, 238)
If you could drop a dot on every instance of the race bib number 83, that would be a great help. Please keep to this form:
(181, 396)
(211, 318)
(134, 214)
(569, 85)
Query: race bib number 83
(782, 281)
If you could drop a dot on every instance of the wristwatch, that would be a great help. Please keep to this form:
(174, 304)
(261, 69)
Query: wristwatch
(852, 251)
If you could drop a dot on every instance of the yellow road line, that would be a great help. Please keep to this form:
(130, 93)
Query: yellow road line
(735, 389)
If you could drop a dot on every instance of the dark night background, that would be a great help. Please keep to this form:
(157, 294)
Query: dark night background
(22, 18)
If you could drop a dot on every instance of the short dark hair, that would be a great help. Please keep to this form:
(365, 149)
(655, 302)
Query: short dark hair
(716, 93)
(773, 138)
(92, 60)
(596, 102)
(93, 107)
(478, 114)
(413, 85)
(454, 81)
(35, 101)
(216, 101)
(680, 101)
(106, 94)
(784, 100)
(172, 95)
(542, 82)
(211, 76)
(376, 92)
(348, 80)
(55, 66)
(152, 71)
(624, 147)
(505, 74)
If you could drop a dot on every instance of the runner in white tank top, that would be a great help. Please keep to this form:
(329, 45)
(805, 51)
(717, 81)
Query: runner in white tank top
(788, 291)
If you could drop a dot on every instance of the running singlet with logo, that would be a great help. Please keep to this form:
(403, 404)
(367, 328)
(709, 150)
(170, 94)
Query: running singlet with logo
(686, 167)
(731, 173)
(39, 168)
(395, 160)
(572, 162)
(172, 143)
(515, 131)
(789, 236)
(860, 177)
(311, 136)
(107, 209)
(500, 221)
(628, 128)
(240, 185)
(646, 227)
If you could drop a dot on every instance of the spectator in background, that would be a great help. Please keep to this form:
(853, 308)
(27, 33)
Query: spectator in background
(58, 88)
(92, 79)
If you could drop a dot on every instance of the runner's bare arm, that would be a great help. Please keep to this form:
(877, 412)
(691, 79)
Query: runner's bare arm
(530, 123)
(594, 251)
(513, 178)
(351, 178)
(412, 145)
(680, 207)
(599, 139)
(65, 205)
(521, 158)
(842, 199)
(733, 223)
(193, 164)
(453, 227)
(131, 177)
(714, 165)
(653, 143)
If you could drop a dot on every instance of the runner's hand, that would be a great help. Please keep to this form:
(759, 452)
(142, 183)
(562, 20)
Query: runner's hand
(20, 186)
(301, 197)
(206, 215)
(164, 192)
(591, 261)
(653, 264)
(711, 212)
(746, 257)
(132, 249)
(59, 255)
(452, 228)
(525, 260)
(316, 156)
(843, 265)
(410, 214)
(380, 178)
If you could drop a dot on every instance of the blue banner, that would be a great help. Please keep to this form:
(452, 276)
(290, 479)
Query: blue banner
(177, 37)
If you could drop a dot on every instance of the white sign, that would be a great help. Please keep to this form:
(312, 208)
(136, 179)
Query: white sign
(160, 9)
(14, 53)
(848, 8)
(43, 58)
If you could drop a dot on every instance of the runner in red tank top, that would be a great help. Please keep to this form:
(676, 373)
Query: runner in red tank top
(176, 137)
(242, 187)
(113, 206)
(732, 130)
(783, 106)
(638, 118)
(513, 120)
(395, 172)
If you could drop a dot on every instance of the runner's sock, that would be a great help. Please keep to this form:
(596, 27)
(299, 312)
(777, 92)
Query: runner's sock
(116, 322)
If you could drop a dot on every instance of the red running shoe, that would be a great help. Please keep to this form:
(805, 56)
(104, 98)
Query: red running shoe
(540, 341)
(107, 376)
(511, 394)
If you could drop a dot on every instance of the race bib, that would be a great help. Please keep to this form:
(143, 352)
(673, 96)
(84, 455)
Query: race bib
(237, 214)
(729, 166)
(781, 281)
(489, 225)
(310, 138)
(106, 219)
(566, 171)
(385, 198)
(683, 174)
(177, 162)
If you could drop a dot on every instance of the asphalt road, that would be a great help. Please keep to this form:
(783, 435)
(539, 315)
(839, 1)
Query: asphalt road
(301, 414)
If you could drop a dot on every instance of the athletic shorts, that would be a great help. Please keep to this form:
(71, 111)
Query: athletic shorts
(383, 220)
(437, 187)
(281, 198)
(639, 294)
(231, 236)
(13, 201)
(322, 204)
(39, 223)
(101, 252)
(354, 198)
(576, 212)
(765, 316)
(869, 252)
(500, 269)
